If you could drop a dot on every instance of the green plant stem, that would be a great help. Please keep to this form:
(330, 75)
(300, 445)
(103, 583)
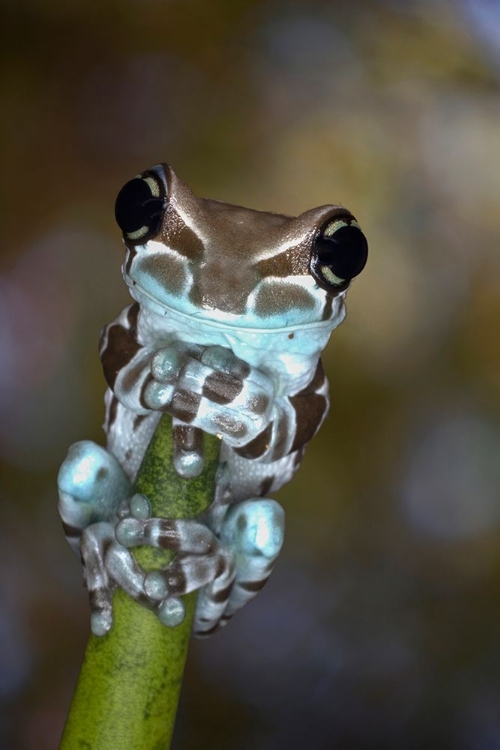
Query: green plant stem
(129, 684)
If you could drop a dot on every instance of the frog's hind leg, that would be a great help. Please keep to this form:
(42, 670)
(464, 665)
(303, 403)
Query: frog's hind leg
(228, 571)
(108, 565)
(93, 492)
(254, 532)
(201, 562)
(94, 541)
(91, 484)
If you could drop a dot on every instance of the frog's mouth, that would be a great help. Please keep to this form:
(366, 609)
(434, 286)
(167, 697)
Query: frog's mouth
(233, 323)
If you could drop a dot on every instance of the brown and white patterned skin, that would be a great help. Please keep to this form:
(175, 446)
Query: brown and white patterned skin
(225, 334)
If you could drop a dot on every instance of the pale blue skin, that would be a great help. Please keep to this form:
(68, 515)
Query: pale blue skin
(178, 346)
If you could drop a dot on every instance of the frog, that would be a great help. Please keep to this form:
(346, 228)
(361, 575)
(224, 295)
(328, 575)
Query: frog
(232, 308)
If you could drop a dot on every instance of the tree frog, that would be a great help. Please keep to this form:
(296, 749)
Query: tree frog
(232, 309)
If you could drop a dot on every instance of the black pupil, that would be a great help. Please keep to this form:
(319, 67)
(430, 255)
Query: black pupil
(136, 207)
(345, 252)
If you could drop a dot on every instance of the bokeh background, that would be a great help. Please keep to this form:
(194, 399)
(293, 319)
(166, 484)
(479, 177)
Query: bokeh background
(380, 627)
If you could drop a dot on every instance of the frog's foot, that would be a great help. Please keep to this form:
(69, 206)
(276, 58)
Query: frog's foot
(108, 565)
(254, 531)
(91, 486)
(212, 389)
(229, 572)
(201, 562)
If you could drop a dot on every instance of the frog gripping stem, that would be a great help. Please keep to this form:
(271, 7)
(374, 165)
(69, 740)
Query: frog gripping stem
(215, 388)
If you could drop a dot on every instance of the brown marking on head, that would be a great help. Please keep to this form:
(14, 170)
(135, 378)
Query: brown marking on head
(235, 247)
(291, 262)
(179, 237)
(234, 240)
(230, 249)
(275, 297)
(166, 269)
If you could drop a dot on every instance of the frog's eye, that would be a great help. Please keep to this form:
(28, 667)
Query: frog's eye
(339, 253)
(139, 207)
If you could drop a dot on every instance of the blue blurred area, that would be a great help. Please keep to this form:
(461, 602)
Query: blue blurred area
(379, 628)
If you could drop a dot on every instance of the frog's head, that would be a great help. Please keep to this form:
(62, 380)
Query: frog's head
(231, 265)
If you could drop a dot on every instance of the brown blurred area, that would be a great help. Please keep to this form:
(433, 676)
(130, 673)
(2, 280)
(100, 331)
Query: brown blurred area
(380, 627)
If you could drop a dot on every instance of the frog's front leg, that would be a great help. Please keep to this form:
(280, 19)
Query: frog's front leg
(211, 389)
(207, 387)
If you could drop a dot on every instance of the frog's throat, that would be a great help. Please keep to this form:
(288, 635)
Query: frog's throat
(160, 308)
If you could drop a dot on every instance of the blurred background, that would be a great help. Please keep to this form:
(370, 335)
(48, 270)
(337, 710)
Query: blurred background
(380, 627)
